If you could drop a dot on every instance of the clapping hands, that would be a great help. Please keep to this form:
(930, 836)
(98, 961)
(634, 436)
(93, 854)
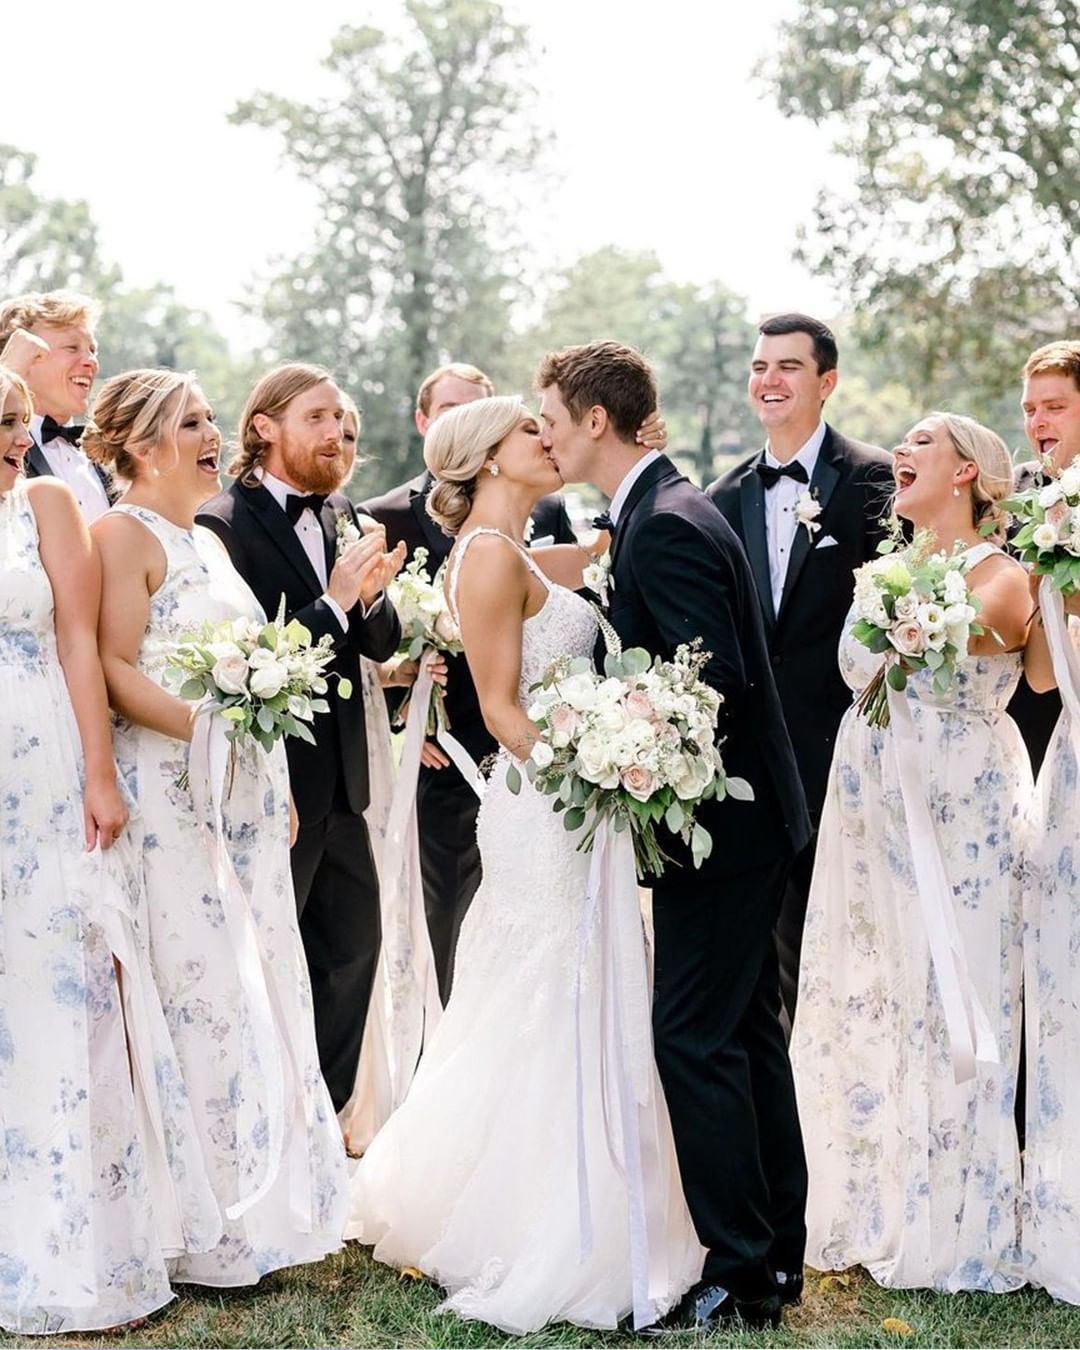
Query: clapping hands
(364, 569)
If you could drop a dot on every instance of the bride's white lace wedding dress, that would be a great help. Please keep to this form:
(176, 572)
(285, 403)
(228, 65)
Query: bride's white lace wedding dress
(475, 1179)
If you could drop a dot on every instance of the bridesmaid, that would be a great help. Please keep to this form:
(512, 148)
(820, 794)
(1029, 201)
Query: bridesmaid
(227, 959)
(913, 1175)
(1052, 982)
(78, 1246)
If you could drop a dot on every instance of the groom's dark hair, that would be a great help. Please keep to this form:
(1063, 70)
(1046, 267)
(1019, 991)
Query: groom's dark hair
(608, 374)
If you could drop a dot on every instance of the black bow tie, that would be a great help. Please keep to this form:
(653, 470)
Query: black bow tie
(51, 430)
(603, 522)
(296, 505)
(770, 476)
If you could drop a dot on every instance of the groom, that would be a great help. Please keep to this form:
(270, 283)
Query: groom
(278, 522)
(678, 573)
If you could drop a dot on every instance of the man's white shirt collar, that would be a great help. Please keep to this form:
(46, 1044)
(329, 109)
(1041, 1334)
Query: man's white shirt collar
(623, 490)
(806, 455)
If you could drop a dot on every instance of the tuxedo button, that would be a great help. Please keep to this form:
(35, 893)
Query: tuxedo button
(777, 659)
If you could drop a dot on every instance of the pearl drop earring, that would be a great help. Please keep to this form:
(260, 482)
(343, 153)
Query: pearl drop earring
(955, 491)
(493, 469)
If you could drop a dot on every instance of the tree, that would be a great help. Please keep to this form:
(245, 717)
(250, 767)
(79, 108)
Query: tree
(958, 247)
(405, 270)
(50, 243)
(46, 243)
(697, 337)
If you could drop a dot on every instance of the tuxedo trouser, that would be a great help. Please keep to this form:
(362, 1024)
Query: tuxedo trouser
(724, 1065)
(337, 900)
(789, 929)
(446, 808)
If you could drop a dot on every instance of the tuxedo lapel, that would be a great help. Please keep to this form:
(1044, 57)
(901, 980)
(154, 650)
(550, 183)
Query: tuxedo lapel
(825, 478)
(328, 517)
(37, 463)
(752, 509)
(439, 544)
(278, 527)
(659, 469)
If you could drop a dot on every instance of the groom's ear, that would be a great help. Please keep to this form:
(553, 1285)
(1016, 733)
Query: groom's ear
(598, 421)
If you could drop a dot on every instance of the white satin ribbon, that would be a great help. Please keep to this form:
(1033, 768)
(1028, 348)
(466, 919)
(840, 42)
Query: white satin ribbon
(612, 917)
(1062, 652)
(971, 1037)
(267, 1034)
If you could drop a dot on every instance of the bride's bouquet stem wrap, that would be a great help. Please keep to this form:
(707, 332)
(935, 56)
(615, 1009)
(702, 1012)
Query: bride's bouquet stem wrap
(269, 1037)
(611, 921)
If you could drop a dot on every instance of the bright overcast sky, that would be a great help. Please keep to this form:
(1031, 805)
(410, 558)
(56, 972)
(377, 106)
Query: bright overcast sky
(664, 139)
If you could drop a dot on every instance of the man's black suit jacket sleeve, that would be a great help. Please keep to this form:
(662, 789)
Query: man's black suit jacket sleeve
(667, 552)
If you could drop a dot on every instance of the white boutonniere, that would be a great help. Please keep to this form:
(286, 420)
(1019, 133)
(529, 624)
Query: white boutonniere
(807, 510)
(530, 529)
(596, 577)
(347, 533)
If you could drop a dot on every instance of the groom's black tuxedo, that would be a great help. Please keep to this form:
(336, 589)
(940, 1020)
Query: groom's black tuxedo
(334, 875)
(446, 805)
(679, 572)
(852, 483)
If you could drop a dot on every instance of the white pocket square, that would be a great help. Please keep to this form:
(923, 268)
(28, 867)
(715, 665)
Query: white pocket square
(542, 541)
(826, 541)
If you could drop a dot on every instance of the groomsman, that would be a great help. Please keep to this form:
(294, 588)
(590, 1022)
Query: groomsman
(1051, 405)
(678, 573)
(278, 521)
(49, 338)
(446, 805)
(808, 510)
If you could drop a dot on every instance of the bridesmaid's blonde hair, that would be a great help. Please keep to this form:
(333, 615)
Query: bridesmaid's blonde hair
(11, 379)
(132, 413)
(994, 481)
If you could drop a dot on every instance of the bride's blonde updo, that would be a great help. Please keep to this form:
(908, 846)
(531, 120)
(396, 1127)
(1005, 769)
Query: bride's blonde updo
(994, 481)
(458, 445)
(129, 414)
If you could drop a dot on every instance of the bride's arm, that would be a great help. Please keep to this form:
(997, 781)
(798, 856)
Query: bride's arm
(133, 567)
(493, 586)
(565, 563)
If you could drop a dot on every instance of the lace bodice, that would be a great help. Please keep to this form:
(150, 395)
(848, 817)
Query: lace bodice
(983, 684)
(201, 585)
(566, 626)
(27, 636)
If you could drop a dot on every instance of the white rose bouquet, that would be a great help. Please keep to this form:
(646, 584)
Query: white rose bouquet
(635, 746)
(426, 625)
(915, 608)
(1049, 533)
(265, 680)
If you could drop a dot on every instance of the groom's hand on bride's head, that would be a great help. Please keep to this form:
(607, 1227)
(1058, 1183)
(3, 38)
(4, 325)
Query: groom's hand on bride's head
(652, 434)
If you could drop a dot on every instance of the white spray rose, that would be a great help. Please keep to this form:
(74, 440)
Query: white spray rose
(1045, 536)
(230, 673)
(269, 679)
(541, 754)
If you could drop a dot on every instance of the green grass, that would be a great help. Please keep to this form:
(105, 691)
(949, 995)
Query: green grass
(348, 1300)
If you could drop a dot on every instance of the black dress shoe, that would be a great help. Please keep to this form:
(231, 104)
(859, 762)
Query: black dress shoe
(791, 1287)
(709, 1307)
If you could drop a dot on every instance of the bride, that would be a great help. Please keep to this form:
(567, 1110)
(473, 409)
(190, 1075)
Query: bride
(490, 1178)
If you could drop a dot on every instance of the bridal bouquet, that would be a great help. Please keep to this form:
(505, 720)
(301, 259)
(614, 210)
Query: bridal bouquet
(1049, 534)
(265, 680)
(915, 608)
(426, 624)
(635, 746)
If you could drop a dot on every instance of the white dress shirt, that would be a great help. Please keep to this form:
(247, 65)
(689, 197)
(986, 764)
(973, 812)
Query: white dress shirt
(309, 531)
(623, 490)
(71, 465)
(781, 522)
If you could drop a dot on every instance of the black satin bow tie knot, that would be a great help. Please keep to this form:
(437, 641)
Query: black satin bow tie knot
(603, 522)
(771, 476)
(296, 505)
(51, 430)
